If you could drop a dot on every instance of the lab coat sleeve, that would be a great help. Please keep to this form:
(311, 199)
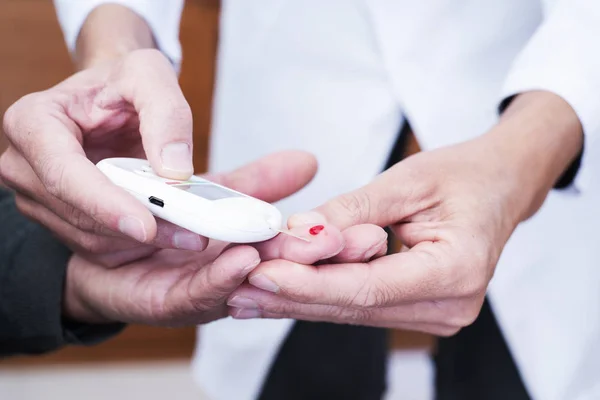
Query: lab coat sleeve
(163, 18)
(563, 57)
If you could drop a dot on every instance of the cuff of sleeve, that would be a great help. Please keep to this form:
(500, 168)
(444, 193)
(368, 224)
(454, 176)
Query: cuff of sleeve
(162, 17)
(76, 333)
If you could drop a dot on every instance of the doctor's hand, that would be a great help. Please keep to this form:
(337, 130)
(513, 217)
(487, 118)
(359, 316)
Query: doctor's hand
(453, 209)
(128, 107)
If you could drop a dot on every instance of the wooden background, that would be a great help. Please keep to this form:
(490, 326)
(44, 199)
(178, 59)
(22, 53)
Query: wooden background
(33, 58)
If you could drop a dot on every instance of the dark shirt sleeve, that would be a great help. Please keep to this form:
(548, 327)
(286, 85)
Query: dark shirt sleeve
(33, 266)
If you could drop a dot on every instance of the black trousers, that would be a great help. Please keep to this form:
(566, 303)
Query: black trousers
(477, 364)
(328, 361)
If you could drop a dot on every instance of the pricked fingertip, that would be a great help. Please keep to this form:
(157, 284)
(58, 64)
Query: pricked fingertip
(308, 218)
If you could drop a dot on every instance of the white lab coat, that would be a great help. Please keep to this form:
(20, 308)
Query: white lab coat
(335, 78)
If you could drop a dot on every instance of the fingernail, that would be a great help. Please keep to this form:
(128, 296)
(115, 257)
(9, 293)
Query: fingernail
(242, 302)
(374, 250)
(325, 257)
(177, 157)
(187, 241)
(308, 218)
(264, 283)
(251, 266)
(133, 227)
(246, 314)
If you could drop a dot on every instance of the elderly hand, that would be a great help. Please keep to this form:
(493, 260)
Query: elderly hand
(454, 210)
(128, 107)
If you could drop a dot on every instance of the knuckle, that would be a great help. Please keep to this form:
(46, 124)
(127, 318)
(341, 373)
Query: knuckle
(82, 221)
(299, 292)
(54, 176)
(21, 111)
(353, 316)
(282, 307)
(375, 296)
(373, 293)
(356, 206)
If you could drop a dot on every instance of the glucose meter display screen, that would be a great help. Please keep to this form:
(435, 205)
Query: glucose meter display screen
(208, 191)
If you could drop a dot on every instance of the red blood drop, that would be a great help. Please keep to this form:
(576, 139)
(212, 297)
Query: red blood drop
(316, 229)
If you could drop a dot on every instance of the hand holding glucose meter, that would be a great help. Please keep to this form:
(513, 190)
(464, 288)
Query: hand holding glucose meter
(198, 205)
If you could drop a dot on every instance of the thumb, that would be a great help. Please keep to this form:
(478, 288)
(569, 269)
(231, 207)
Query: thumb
(382, 202)
(147, 80)
(272, 177)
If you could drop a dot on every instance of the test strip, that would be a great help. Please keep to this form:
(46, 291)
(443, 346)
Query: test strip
(293, 235)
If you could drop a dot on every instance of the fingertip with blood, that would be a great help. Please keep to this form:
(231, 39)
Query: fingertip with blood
(325, 241)
(315, 230)
(308, 218)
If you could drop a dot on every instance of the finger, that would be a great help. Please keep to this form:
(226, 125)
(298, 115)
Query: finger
(356, 244)
(47, 139)
(245, 304)
(208, 286)
(116, 259)
(393, 196)
(74, 237)
(148, 81)
(362, 243)
(169, 235)
(432, 329)
(415, 275)
(272, 177)
(22, 177)
(457, 313)
(19, 176)
(343, 317)
(325, 241)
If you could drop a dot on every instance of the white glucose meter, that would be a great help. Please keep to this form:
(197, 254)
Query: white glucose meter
(198, 205)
